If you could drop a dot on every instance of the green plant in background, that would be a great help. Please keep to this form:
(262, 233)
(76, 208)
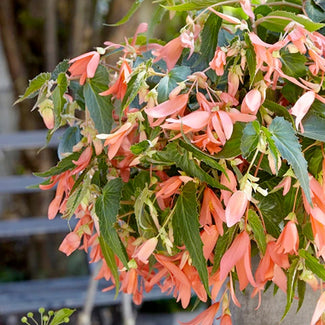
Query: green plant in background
(51, 317)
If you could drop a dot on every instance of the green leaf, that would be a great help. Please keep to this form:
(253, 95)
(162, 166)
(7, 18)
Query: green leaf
(156, 19)
(232, 147)
(314, 127)
(258, 230)
(140, 147)
(111, 262)
(294, 64)
(315, 10)
(312, 263)
(135, 6)
(173, 154)
(251, 59)
(145, 223)
(100, 107)
(250, 138)
(136, 82)
(319, 3)
(289, 147)
(61, 315)
(63, 66)
(314, 156)
(209, 38)
(291, 92)
(301, 293)
(223, 244)
(186, 223)
(169, 82)
(279, 110)
(291, 285)
(34, 86)
(58, 99)
(206, 158)
(78, 192)
(63, 165)
(192, 5)
(107, 206)
(70, 138)
(278, 24)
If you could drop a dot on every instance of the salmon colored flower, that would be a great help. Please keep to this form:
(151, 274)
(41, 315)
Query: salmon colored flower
(301, 107)
(319, 310)
(226, 320)
(218, 62)
(118, 89)
(286, 184)
(206, 317)
(288, 241)
(179, 280)
(84, 66)
(209, 237)
(211, 205)
(115, 140)
(227, 18)
(236, 207)
(192, 122)
(247, 7)
(170, 107)
(251, 102)
(143, 252)
(171, 185)
(280, 278)
(70, 243)
(83, 160)
(172, 51)
(239, 255)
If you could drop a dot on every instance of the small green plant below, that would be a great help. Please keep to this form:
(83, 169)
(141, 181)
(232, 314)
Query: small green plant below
(51, 318)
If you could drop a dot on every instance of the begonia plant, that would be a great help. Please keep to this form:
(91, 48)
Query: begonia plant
(183, 160)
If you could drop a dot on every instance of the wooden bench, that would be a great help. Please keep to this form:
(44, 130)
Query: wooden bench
(25, 296)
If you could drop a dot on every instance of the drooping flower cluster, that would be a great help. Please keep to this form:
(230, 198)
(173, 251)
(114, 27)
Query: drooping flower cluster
(200, 135)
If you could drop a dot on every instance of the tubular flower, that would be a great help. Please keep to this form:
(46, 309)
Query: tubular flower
(218, 62)
(302, 106)
(206, 317)
(118, 89)
(70, 243)
(239, 255)
(236, 207)
(84, 66)
(170, 107)
(288, 241)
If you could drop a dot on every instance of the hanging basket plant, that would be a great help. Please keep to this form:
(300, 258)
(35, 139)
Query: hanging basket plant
(183, 159)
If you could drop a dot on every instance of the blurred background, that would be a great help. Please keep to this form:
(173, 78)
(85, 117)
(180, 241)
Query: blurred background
(34, 36)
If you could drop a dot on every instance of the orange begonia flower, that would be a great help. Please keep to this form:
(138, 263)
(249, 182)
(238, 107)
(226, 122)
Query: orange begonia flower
(70, 243)
(301, 107)
(251, 102)
(170, 107)
(84, 66)
(211, 205)
(319, 310)
(115, 140)
(118, 89)
(239, 255)
(236, 207)
(288, 241)
(218, 62)
(226, 320)
(206, 317)
(144, 251)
